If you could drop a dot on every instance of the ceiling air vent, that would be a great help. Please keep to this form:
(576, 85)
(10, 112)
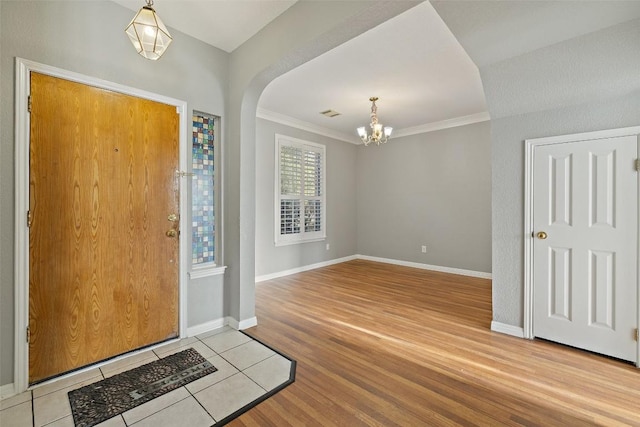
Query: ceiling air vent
(329, 113)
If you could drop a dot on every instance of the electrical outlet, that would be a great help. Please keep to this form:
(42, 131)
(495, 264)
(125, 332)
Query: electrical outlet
(424, 249)
(328, 246)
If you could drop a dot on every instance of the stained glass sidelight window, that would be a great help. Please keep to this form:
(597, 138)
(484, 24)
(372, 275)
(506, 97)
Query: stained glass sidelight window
(203, 189)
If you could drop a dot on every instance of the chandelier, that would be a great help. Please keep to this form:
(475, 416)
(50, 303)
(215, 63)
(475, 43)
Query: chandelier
(147, 33)
(379, 134)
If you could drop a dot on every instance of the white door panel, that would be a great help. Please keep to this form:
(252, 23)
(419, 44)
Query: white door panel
(585, 198)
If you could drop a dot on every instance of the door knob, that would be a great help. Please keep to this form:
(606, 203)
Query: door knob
(171, 233)
(541, 235)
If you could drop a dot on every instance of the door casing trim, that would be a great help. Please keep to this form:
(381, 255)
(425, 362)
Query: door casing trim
(21, 246)
(530, 146)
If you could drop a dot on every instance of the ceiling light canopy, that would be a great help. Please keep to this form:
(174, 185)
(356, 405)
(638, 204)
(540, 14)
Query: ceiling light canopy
(379, 134)
(148, 33)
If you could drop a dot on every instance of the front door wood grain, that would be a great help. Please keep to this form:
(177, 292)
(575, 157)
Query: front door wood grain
(103, 274)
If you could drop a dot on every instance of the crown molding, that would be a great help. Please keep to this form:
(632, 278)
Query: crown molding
(306, 126)
(443, 124)
(415, 130)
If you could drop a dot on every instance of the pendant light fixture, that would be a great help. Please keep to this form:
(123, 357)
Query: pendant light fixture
(148, 33)
(379, 134)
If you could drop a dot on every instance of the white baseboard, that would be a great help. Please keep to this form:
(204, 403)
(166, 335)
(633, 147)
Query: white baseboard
(243, 324)
(304, 268)
(451, 270)
(7, 390)
(503, 328)
(220, 323)
(206, 327)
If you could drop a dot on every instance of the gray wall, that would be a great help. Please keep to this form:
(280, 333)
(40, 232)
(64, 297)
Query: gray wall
(88, 38)
(586, 83)
(205, 300)
(508, 182)
(430, 189)
(304, 31)
(341, 202)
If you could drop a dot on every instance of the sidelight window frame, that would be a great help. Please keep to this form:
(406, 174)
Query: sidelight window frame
(201, 168)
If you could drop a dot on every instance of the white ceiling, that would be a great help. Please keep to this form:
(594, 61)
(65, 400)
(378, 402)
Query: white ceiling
(412, 63)
(493, 31)
(424, 78)
(225, 24)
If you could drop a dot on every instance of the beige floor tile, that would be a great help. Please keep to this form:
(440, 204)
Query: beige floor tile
(226, 340)
(270, 373)
(63, 422)
(54, 406)
(176, 344)
(225, 370)
(187, 412)
(125, 368)
(229, 395)
(198, 346)
(127, 363)
(151, 407)
(68, 381)
(17, 416)
(217, 331)
(51, 407)
(247, 354)
(116, 421)
(221, 393)
(17, 399)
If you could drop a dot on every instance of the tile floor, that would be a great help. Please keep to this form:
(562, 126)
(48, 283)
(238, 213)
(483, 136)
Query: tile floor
(246, 371)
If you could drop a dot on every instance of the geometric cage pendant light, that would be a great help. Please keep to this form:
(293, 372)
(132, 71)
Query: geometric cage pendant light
(379, 134)
(148, 33)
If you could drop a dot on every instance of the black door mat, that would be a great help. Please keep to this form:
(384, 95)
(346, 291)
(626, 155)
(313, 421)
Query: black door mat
(97, 402)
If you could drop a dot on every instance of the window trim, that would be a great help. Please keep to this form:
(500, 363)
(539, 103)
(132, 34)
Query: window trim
(302, 237)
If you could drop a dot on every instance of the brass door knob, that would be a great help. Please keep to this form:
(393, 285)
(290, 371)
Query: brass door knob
(541, 235)
(171, 233)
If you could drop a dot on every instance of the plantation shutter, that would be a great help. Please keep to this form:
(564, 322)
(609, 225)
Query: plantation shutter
(300, 191)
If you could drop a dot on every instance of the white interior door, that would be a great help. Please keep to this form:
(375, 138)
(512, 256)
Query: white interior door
(585, 254)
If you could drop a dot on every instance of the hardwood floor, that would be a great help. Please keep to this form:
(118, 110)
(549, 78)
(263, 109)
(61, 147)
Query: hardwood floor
(383, 345)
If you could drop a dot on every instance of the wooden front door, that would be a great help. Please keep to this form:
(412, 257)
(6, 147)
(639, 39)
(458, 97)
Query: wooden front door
(103, 262)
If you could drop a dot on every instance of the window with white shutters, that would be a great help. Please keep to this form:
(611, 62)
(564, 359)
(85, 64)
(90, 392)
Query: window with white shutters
(300, 191)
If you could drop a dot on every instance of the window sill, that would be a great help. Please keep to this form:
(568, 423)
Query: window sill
(206, 271)
(297, 242)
